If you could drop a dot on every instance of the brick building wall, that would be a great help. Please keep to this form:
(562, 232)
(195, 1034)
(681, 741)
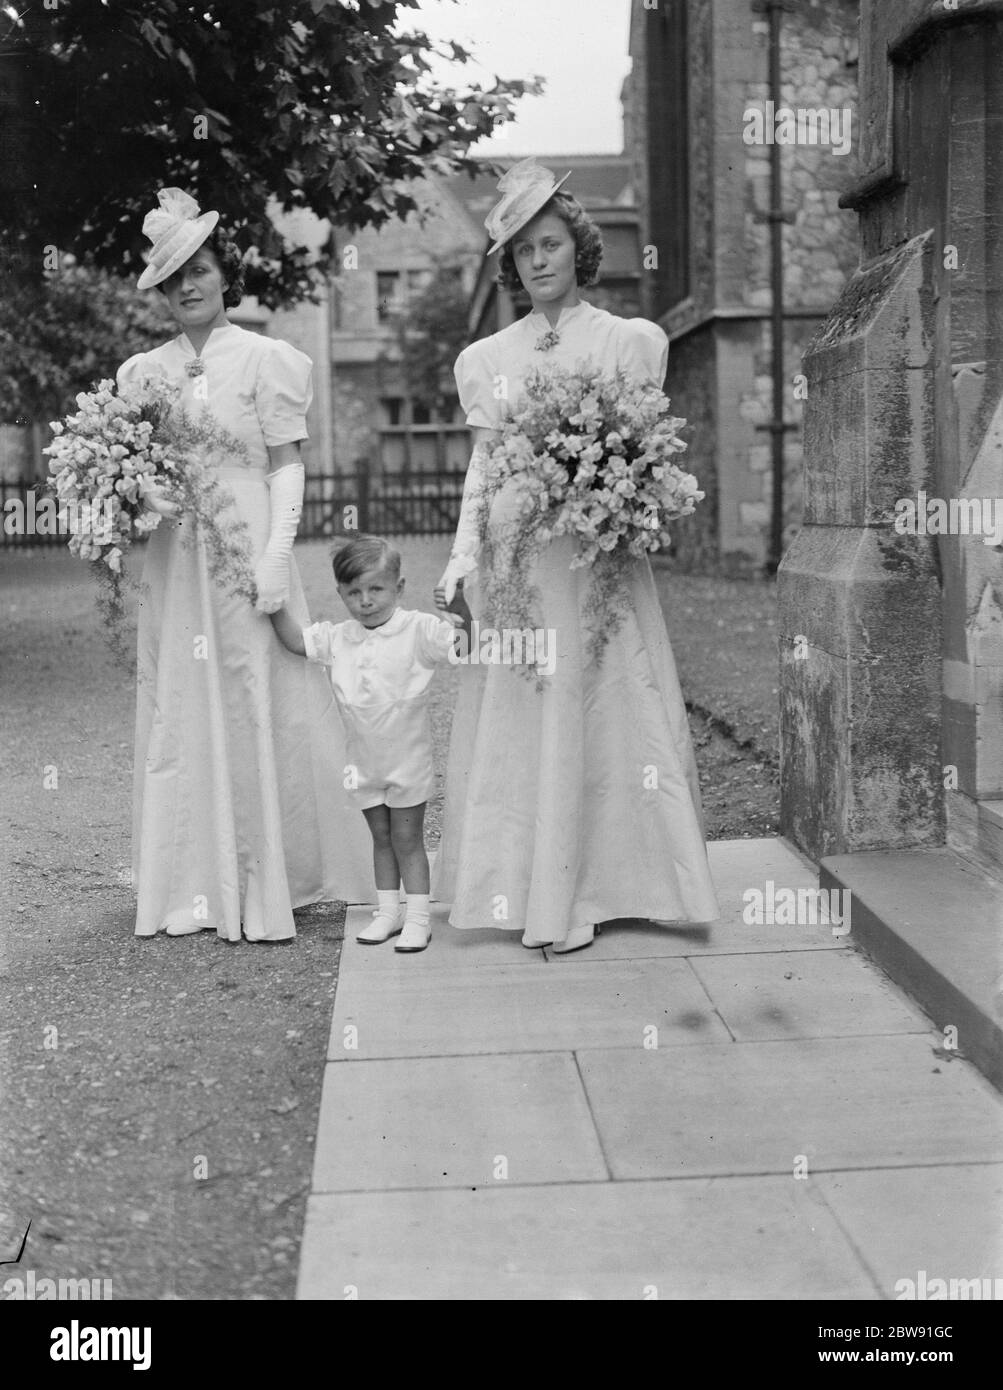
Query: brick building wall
(720, 326)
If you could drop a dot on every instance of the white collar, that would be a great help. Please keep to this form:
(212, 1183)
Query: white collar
(358, 632)
(218, 331)
(539, 322)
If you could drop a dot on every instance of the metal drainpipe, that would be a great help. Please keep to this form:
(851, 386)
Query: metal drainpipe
(776, 217)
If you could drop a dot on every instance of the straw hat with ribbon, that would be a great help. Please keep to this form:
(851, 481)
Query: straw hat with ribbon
(177, 231)
(526, 188)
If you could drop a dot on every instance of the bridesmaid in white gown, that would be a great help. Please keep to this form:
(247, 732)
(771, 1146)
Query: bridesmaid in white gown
(579, 803)
(238, 814)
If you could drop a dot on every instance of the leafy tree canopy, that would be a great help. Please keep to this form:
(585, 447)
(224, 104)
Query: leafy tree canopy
(315, 104)
(63, 335)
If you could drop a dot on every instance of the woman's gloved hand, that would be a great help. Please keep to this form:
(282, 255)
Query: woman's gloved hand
(271, 575)
(469, 529)
(452, 579)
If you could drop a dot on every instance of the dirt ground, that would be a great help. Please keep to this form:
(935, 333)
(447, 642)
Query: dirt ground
(160, 1096)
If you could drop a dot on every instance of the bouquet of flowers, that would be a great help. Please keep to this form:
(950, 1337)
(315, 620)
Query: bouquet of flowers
(121, 463)
(588, 455)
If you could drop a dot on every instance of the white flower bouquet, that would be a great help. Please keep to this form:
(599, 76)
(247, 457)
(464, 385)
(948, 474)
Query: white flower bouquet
(124, 461)
(590, 455)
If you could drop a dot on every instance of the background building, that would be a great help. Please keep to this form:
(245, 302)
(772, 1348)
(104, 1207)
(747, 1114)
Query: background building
(704, 197)
(377, 417)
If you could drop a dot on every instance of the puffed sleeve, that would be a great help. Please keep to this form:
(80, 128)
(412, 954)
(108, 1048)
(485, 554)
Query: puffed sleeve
(135, 369)
(435, 640)
(475, 386)
(283, 392)
(644, 351)
(318, 639)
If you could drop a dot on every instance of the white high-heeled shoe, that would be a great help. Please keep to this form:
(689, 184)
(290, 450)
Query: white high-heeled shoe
(576, 939)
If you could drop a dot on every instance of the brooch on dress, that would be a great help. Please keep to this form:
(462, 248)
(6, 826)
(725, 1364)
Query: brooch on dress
(550, 339)
(196, 367)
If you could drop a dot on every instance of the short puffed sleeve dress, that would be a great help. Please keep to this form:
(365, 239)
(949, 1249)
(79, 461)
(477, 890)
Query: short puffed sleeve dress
(578, 803)
(239, 813)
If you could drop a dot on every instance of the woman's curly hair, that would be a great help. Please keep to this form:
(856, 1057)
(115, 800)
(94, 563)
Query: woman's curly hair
(231, 264)
(588, 243)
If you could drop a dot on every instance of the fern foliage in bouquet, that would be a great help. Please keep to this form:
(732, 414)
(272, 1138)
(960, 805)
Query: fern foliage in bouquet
(123, 462)
(590, 455)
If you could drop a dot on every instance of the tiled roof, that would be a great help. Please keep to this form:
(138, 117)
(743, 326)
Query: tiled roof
(597, 180)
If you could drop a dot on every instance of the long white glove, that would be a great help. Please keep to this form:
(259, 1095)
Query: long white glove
(469, 528)
(271, 575)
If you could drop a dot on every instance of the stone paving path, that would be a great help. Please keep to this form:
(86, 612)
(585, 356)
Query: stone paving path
(727, 1112)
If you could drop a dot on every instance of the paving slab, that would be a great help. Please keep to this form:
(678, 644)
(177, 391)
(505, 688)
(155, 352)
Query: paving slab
(960, 1235)
(737, 867)
(935, 922)
(749, 863)
(684, 1111)
(804, 994)
(455, 1122)
(726, 1238)
(630, 939)
(449, 949)
(512, 1008)
(755, 1107)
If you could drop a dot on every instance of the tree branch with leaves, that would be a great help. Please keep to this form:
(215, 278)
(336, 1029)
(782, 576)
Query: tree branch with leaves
(307, 104)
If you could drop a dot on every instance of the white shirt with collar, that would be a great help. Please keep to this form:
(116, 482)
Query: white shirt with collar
(380, 678)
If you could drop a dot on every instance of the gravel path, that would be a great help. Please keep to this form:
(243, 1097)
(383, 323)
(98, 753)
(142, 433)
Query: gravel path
(159, 1095)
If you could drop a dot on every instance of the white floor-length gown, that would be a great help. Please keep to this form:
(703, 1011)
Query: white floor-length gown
(580, 803)
(239, 813)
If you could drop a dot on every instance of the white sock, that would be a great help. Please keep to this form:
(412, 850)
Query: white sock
(388, 900)
(418, 909)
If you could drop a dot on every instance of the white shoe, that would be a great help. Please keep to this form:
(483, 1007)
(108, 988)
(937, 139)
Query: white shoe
(576, 939)
(182, 925)
(383, 926)
(414, 937)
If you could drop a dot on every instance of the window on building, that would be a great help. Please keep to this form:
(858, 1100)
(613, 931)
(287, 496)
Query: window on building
(420, 413)
(388, 294)
(417, 281)
(392, 409)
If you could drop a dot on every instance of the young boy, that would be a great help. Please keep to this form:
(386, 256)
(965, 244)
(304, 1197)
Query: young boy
(380, 664)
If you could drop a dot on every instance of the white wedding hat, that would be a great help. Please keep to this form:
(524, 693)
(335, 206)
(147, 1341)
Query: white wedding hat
(527, 187)
(177, 231)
